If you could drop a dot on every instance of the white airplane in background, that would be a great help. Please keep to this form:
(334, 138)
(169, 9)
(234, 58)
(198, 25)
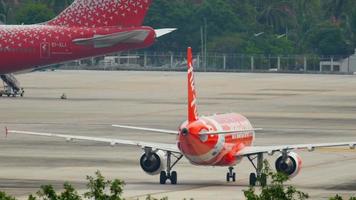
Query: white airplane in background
(218, 140)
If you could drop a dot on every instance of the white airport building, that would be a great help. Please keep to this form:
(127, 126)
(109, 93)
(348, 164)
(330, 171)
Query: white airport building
(347, 65)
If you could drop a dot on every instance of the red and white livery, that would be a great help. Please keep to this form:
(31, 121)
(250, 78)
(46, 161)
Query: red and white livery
(218, 140)
(87, 28)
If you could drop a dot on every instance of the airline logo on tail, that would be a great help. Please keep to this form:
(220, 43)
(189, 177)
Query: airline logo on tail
(192, 97)
(94, 13)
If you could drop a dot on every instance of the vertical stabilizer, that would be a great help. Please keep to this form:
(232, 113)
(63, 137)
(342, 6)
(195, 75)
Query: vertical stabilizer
(192, 102)
(103, 13)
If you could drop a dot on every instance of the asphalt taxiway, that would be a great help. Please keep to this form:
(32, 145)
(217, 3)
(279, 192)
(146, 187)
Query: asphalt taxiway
(290, 108)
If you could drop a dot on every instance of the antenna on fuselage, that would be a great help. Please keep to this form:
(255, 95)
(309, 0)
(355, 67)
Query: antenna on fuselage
(192, 102)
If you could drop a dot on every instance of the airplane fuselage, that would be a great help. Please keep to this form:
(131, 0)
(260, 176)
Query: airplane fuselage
(30, 46)
(215, 150)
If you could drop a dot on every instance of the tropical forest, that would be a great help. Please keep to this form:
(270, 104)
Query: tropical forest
(266, 27)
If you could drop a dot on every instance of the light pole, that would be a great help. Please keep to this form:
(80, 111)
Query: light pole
(202, 45)
(205, 43)
(204, 39)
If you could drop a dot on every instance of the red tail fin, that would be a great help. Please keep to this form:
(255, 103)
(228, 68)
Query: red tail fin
(192, 107)
(99, 13)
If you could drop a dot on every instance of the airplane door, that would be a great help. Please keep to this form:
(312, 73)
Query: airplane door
(45, 50)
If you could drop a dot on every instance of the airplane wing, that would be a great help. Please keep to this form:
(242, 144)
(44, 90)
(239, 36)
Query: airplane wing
(270, 150)
(113, 142)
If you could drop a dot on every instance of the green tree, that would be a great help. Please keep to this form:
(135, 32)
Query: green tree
(69, 193)
(330, 40)
(353, 27)
(176, 14)
(336, 10)
(59, 5)
(307, 16)
(231, 24)
(241, 43)
(279, 15)
(4, 11)
(47, 192)
(337, 197)
(56, 5)
(219, 16)
(98, 184)
(276, 189)
(4, 196)
(149, 197)
(246, 12)
(32, 13)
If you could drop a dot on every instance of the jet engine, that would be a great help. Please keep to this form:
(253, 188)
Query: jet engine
(153, 163)
(290, 164)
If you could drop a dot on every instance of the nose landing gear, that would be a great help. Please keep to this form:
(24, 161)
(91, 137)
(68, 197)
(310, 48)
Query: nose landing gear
(231, 175)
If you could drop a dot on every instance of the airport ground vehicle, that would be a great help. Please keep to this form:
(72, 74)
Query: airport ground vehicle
(11, 86)
(8, 91)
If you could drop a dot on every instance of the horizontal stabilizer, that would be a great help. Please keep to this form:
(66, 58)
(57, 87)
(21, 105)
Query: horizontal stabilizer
(101, 41)
(230, 132)
(147, 129)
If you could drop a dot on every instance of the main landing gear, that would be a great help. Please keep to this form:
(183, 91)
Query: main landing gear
(169, 174)
(258, 177)
(231, 175)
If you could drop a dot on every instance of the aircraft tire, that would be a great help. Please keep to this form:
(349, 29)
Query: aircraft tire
(163, 178)
(263, 180)
(234, 177)
(253, 179)
(174, 177)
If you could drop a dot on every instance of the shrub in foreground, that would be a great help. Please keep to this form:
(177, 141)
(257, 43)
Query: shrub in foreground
(276, 189)
(98, 188)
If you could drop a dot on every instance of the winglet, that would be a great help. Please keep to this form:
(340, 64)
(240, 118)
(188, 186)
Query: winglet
(192, 107)
(164, 31)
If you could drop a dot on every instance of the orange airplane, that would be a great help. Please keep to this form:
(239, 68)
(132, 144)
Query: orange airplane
(218, 140)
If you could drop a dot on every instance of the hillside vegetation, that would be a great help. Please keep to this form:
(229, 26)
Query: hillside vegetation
(269, 27)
